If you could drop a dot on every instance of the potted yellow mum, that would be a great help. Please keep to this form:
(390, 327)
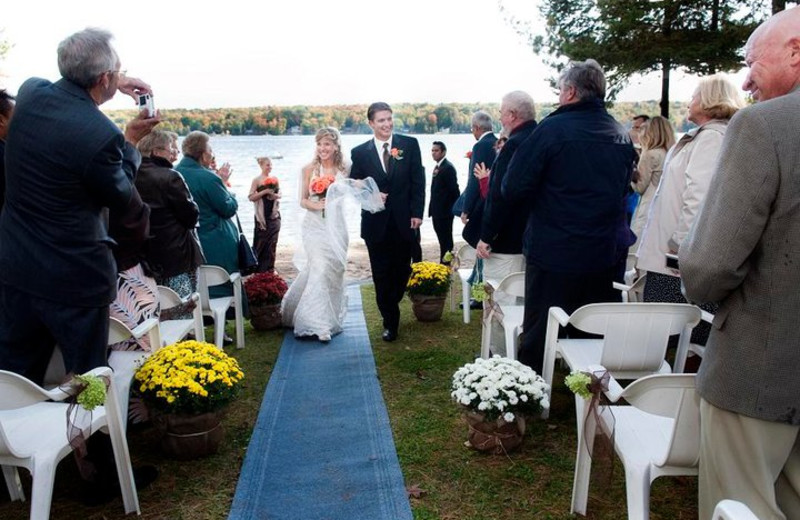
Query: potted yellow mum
(186, 385)
(427, 289)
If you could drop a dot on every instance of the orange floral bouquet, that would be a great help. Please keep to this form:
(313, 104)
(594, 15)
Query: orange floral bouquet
(270, 183)
(319, 187)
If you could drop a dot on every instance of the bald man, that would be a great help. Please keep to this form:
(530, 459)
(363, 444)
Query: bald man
(741, 253)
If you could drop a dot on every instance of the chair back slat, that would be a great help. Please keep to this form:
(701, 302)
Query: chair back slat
(209, 276)
(635, 335)
(673, 396)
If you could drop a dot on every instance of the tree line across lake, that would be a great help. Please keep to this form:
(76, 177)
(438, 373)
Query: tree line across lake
(419, 118)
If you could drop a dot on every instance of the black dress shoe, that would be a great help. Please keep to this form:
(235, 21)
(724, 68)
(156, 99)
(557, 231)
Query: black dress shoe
(389, 335)
(473, 305)
(106, 488)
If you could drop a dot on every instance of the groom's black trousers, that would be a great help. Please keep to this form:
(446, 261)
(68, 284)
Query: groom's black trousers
(390, 260)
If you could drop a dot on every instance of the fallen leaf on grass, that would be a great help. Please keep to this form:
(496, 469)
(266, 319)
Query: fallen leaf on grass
(552, 427)
(415, 491)
(421, 375)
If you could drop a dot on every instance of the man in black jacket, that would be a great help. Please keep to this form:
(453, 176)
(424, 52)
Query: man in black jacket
(504, 223)
(444, 192)
(65, 163)
(572, 172)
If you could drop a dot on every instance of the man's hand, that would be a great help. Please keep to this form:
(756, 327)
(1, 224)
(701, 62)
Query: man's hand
(140, 126)
(416, 223)
(464, 218)
(483, 250)
(384, 197)
(133, 87)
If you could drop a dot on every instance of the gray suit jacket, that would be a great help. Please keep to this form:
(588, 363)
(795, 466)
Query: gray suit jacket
(741, 253)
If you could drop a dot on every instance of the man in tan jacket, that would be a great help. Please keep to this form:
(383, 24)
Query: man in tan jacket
(741, 253)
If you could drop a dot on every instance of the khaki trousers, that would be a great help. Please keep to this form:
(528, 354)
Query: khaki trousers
(753, 461)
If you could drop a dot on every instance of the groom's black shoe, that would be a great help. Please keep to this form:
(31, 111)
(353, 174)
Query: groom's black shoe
(389, 335)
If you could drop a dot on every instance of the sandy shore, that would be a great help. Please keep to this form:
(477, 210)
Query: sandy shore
(358, 269)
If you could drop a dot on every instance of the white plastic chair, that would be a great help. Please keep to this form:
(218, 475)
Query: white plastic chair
(173, 331)
(126, 362)
(657, 435)
(733, 510)
(33, 435)
(634, 342)
(466, 260)
(632, 292)
(508, 298)
(209, 276)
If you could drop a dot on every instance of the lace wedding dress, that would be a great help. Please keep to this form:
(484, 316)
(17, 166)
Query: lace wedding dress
(315, 303)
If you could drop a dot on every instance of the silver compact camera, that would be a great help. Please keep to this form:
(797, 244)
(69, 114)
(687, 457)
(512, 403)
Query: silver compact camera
(146, 102)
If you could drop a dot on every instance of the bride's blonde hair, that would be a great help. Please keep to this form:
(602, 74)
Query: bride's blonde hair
(331, 133)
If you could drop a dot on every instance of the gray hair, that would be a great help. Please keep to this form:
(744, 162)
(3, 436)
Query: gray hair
(85, 55)
(194, 145)
(521, 103)
(482, 120)
(154, 140)
(586, 77)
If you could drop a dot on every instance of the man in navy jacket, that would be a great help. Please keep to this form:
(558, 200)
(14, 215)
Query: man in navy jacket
(572, 172)
(65, 163)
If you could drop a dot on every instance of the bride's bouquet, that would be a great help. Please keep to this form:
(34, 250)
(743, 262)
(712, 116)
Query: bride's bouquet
(319, 187)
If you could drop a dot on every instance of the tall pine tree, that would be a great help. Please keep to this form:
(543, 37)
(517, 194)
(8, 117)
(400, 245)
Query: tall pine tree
(630, 37)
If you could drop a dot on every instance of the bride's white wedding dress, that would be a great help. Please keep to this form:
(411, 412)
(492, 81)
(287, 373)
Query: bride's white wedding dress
(315, 303)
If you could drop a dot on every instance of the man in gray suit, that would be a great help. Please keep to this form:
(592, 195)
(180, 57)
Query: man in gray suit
(65, 163)
(741, 253)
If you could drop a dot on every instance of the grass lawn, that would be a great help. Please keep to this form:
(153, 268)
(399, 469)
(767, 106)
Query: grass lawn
(534, 482)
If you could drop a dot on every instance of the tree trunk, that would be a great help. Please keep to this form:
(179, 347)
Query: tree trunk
(664, 104)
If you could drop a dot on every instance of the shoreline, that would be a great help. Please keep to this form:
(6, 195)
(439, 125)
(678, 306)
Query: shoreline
(358, 268)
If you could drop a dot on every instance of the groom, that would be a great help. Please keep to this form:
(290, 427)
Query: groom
(395, 163)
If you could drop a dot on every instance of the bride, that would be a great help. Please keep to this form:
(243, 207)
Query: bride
(315, 303)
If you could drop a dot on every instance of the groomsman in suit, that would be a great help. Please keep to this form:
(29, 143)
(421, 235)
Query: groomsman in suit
(482, 152)
(444, 192)
(395, 162)
(740, 253)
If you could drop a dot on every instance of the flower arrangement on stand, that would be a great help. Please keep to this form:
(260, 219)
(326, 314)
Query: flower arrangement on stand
(264, 294)
(498, 394)
(187, 385)
(427, 289)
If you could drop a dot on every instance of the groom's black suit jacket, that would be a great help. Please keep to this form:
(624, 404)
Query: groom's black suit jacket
(404, 183)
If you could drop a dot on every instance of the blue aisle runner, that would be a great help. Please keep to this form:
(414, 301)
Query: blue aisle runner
(322, 447)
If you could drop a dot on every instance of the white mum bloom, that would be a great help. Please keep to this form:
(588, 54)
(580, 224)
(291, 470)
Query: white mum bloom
(508, 416)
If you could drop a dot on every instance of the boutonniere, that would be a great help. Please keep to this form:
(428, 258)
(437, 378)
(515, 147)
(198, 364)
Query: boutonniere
(468, 155)
(397, 154)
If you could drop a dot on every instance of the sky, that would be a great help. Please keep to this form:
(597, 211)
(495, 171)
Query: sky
(303, 52)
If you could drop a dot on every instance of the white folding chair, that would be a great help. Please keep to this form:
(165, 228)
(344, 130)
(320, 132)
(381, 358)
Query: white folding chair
(657, 435)
(209, 276)
(466, 260)
(173, 331)
(506, 309)
(692, 348)
(732, 510)
(634, 337)
(33, 435)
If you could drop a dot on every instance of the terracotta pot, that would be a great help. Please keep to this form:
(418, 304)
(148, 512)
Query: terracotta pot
(427, 308)
(496, 436)
(189, 436)
(265, 317)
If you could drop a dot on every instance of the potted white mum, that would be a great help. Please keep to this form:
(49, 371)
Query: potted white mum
(498, 394)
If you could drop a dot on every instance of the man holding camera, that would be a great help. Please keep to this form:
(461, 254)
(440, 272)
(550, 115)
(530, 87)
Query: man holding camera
(66, 162)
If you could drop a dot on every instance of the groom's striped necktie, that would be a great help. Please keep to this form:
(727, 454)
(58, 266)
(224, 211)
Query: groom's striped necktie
(386, 157)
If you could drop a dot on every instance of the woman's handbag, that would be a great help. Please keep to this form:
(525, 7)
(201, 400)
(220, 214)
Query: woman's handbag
(248, 263)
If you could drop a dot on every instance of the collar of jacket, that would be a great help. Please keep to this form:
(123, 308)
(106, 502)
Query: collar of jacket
(191, 163)
(522, 127)
(74, 89)
(158, 161)
(581, 106)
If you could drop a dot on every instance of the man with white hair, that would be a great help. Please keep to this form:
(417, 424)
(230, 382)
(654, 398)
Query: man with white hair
(504, 223)
(741, 253)
(66, 162)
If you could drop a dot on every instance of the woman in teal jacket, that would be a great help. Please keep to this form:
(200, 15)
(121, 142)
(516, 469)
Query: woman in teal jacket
(218, 235)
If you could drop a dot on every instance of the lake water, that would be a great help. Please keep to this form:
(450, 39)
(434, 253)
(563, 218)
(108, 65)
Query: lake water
(296, 152)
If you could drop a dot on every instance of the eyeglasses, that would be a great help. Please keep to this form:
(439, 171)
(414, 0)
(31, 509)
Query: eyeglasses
(120, 72)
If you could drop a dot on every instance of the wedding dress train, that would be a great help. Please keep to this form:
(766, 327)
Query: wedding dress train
(316, 302)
